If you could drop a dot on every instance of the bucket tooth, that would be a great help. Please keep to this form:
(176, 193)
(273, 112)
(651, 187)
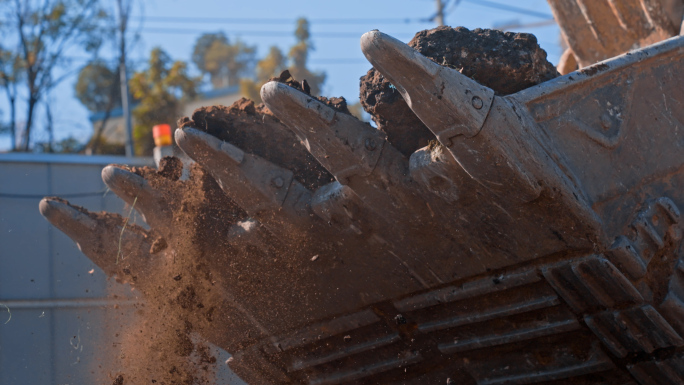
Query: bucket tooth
(111, 246)
(448, 102)
(357, 154)
(267, 192)
(344, 145)
(138, 193)
(493, 150)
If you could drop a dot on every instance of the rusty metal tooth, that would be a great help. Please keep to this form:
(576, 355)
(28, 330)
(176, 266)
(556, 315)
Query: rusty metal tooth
(449, 103)
(357, 154)
(344, 145)
(138, 193)
(113, 245)
(267, 192)
(457, 110)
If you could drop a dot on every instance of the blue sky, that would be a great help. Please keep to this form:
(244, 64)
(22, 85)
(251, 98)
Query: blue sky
(336, 27)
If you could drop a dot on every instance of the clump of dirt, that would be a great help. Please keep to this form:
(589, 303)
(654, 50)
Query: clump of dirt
(506, 62)
(337, 103)
(170, 168)
(255, 130)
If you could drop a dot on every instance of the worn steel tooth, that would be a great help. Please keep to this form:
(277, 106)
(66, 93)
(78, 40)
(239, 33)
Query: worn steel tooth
(456, 109)
(448, 102)
(138, 193)
(344, 145)
(267, 192)
(357, 154)
(109, 244)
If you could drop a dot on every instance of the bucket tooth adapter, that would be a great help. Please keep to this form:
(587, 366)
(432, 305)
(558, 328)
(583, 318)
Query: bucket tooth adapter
(536, 239)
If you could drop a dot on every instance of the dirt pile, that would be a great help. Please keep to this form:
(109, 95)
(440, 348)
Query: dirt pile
(503, 61)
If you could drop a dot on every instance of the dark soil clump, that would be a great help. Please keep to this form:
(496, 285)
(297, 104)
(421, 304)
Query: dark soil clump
(338, 104)
(171, 168)
(506, 62)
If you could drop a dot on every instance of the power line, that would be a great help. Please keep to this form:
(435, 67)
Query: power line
(510, 8)
(288, 34)
(233, 20)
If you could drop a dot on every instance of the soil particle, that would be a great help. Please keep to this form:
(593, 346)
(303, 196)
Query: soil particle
(256, 131)
(171, 168)
(158, 245)
(119, 380)
(503, 61)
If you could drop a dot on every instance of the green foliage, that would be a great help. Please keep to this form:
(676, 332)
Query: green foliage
(104, 147)
(98, 87)
(11, 74)
(160, 90)
(225, 63)
(44, 31)
(299, 55)
(69, 145)
(275, 62)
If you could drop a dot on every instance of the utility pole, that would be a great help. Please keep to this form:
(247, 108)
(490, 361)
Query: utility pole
(123, 76)
(439, 16)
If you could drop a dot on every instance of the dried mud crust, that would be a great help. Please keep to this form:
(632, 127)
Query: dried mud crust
(255, 130)
(503, 61)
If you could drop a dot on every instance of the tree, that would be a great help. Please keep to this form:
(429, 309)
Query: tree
(99, 89)
(272, 65)
(45, 30)
(11, 72)
(275, 62)
(299, 55)
(160, 90)
(225, 63)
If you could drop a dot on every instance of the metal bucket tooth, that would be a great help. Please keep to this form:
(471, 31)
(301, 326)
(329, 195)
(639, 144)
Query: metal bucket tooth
(267, 192)
(114, 245)
(138, 193)
(449, 103)
(457, 110)
(344, 145)
(357, 154)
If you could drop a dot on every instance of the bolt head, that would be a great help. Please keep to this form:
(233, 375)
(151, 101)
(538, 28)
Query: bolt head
(278, 182)
(370, 144)
(477, 102)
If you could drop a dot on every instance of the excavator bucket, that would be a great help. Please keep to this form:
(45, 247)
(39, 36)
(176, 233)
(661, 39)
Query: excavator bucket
(596, 30)
(538, 238)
